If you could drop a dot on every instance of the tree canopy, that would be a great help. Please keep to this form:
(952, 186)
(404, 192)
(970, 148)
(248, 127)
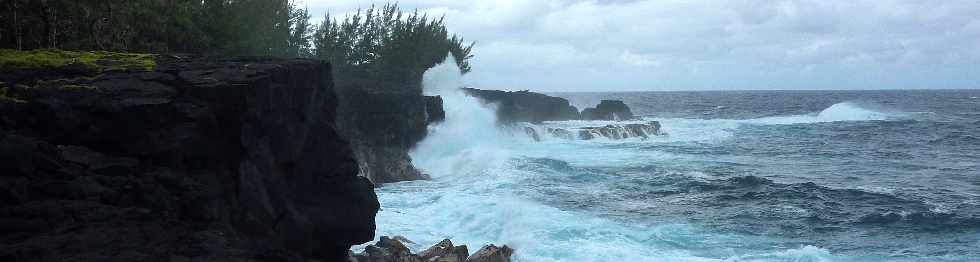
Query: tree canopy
(382, 43)
(379, 39)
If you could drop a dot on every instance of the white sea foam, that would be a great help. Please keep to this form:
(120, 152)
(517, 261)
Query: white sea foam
(468, 137)
(715, 130)
(845, 111)
(479, 194)
(806, 253)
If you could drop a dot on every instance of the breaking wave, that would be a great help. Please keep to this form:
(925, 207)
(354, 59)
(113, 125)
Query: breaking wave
(845, 111)
(679, 197)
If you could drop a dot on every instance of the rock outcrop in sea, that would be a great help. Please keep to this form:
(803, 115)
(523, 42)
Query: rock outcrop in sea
(196, 159)
(535, 108)
(608, 110)
(611, 132)
(525, 106)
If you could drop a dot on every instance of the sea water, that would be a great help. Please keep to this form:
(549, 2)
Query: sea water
(741, 176)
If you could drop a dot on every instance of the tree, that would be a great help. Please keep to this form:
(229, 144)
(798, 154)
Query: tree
(387, 40)
(375, 40)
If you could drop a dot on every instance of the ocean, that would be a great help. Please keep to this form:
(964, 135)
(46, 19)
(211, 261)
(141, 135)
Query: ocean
(741, 176)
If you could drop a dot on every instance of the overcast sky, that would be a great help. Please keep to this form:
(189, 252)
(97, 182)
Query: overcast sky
(633, 45)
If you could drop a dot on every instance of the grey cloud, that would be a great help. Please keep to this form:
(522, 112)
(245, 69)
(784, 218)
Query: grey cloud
(563, 45)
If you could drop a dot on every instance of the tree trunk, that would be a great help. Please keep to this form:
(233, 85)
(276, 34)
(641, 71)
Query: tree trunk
(18, 35)
(50, 24)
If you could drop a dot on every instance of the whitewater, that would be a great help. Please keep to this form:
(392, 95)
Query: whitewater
(753, 185)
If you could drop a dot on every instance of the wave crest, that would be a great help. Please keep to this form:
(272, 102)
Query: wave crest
(839, 112)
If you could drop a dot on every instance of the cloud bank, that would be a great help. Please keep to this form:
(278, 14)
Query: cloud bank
(620, 45)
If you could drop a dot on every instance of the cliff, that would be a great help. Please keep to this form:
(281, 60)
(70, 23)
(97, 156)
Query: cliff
(525, 106)
(177, 159)
(383, 120)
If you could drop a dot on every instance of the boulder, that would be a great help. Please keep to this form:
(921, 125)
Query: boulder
(391, 249)
(492, 253)
(608, 110)
(444, 251)
(387, 250)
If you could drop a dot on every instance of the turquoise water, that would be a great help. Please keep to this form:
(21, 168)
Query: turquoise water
(742, 176)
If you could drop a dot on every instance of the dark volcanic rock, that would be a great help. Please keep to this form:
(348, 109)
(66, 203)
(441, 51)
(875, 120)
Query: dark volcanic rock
(525, 106)
(433, 109)
(444, 251)
(393, 250)
(608, 110)
(491, 253)
(383, 121)
(387, 250)
(202, 160)
(613, 132)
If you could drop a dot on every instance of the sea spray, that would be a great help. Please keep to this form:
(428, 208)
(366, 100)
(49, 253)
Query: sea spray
(467, 140)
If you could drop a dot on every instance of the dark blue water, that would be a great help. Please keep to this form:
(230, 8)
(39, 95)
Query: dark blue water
(897, 176)
(742, 176)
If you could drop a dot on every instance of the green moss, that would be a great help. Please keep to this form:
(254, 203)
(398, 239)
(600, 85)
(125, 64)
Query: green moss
(53, 58)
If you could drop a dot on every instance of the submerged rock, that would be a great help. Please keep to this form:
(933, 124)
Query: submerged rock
(608, 110)
(613, 132)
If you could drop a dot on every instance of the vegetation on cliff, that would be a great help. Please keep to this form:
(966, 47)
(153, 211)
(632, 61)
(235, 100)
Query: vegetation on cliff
(53, 58)
(385, 39)
(375, 40)
(239, 27)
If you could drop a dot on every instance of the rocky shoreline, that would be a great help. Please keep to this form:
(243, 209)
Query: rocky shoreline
(186, 158)
(393, 249)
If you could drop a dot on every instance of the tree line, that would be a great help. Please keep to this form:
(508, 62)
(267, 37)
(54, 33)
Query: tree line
(373, 40)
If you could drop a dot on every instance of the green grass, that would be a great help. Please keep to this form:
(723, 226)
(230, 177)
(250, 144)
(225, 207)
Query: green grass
(53, 58)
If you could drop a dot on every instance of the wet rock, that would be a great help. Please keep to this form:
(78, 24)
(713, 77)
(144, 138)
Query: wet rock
(525, 106)
(608, 110)
(434, 110)
(393, 250)
(531, 132)
(387, 250)
(461, 251)
(613, 132)
(444, 251)
(492, 253)
(561, 133)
